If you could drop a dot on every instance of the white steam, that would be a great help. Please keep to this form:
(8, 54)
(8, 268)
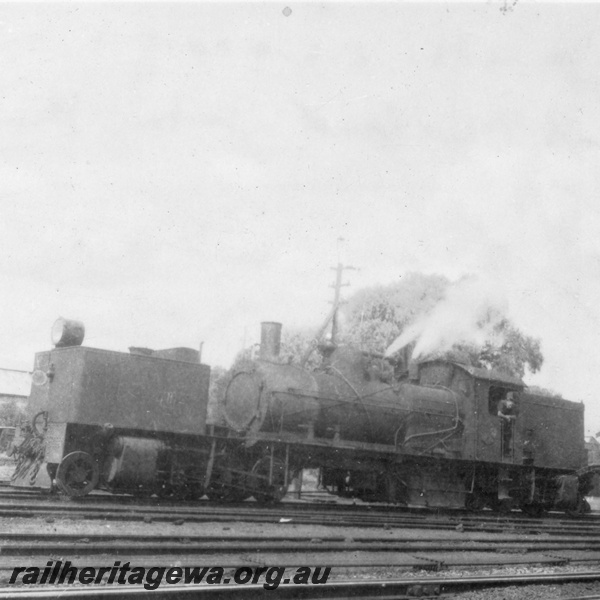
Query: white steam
(468, 314)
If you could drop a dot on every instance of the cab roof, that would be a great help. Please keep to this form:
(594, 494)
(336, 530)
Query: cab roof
(490, 375)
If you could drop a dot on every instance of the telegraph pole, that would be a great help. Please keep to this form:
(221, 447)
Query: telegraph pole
(332, 317)
(337, 301)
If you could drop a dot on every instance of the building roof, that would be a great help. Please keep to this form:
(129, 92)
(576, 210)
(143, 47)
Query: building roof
(15, 383)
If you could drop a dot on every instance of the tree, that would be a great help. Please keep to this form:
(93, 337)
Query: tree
(434, 317)
(374, 317)
(515, 352)
(474, 331)
(294, 346)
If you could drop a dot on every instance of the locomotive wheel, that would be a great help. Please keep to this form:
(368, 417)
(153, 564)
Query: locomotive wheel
(263, 491)
(229, 484)
(504, 506)
(582, 508)
(475, 502)
(222, 493)
(395, 488)
(77, 474)
(142, 493)
(194, 491)
(165, 491)
(532, 509)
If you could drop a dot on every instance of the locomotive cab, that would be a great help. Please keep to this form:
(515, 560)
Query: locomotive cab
(507, 448)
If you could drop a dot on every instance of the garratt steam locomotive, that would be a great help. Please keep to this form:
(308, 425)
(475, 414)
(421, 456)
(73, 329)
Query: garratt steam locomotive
(423, 434)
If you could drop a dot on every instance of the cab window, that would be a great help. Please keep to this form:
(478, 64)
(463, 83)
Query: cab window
(495, 395)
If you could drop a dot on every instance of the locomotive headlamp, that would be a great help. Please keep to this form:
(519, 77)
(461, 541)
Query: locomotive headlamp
(66, 332)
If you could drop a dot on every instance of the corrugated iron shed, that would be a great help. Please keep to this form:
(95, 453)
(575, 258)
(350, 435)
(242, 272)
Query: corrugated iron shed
(15, 383)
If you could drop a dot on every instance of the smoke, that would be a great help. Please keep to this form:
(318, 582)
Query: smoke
(468, 314)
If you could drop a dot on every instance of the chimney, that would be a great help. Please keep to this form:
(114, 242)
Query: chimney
(270, 340)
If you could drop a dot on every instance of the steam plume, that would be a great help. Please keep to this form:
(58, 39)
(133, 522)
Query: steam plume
(468, 314)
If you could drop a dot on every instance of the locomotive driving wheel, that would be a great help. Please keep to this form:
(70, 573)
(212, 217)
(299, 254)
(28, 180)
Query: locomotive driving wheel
(227, 489)
(229, 483)
(475, 501)
(268, 483)
(532, 509)
(77, 474)
(582, 507)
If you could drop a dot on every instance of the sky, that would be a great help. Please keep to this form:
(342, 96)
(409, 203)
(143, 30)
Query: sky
(172, 174)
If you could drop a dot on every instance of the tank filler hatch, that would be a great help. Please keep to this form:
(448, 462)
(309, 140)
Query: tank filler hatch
(66, 332)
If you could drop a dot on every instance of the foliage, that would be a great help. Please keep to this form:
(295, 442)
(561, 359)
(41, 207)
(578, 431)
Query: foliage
(513, 354)
(541, 391)
(294, 346)
(376, 316)
(12, 412)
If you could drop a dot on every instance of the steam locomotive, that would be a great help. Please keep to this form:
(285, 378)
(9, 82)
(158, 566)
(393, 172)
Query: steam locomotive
(422, 434)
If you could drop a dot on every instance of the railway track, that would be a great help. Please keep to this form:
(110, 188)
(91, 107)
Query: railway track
(406, 588)
(29, 504)
(359, 540)
(232, 551)
(61, 545)
(291, 548)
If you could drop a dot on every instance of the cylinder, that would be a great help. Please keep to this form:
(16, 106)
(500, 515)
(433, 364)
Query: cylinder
(66, 332)
(270, 340)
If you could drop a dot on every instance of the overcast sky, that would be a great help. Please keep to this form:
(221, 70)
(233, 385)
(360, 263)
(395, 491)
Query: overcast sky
(176, 173)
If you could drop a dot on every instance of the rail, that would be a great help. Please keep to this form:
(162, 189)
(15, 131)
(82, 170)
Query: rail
(408, 588)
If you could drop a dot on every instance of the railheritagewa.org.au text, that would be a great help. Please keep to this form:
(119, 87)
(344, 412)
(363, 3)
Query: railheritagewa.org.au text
(57, 572)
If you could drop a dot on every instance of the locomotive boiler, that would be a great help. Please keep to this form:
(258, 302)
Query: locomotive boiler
(425, 434)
